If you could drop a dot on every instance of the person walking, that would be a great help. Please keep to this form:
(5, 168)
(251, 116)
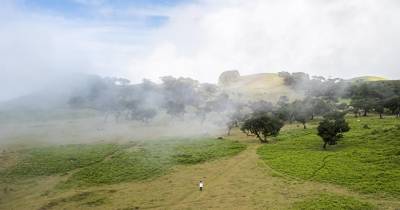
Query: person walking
(201, 185)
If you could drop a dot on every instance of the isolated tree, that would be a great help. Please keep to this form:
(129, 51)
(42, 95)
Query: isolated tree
(332, 127)
(262, 126)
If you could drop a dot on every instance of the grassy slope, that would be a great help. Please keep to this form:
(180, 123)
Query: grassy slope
(270, 86)
(267, 86)
(367, 160)
(367, 78)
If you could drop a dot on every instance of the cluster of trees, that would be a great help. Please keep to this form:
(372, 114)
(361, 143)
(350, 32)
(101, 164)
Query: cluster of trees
(379, 96)
(267, 119)
(142, 102)
(316, 86)
(266, 124)
(366, 96)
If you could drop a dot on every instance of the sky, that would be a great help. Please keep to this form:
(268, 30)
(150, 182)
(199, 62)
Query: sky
(43, 41)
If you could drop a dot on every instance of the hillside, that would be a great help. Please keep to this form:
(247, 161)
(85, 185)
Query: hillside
(367, 79)
(265, 86)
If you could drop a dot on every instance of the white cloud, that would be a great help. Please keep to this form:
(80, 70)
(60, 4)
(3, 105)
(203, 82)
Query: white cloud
(343, 38)
(330, 38)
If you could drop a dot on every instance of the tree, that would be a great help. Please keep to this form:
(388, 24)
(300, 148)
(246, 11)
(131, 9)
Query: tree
(261, 106)
(179, 93)
(143, 115)
(393, 104)
(283, 101)
(331, 129)
(302, 112)
(369, 96)
(364, 104)
(262, 126)
(379, 107)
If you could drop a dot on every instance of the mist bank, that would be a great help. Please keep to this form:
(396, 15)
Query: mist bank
(82, 96)
(179, 107)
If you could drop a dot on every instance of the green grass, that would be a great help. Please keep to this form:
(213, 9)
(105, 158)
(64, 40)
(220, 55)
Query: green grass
(89, 199)
(97, 164)
(367, 160)
(152, 158)
(198, 152)
(332, 202)
(57, 159)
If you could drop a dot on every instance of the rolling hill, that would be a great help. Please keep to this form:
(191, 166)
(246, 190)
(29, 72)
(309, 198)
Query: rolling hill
(266, 86)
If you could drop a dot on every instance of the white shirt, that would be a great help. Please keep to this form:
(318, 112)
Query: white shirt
(201, 184)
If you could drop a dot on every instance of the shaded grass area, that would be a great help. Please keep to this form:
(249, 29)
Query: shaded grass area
(332, 202)
(95, 164)
(367, 160)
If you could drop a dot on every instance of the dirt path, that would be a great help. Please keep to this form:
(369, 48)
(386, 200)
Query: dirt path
(239, 182)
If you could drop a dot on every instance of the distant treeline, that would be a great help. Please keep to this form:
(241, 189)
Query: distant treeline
(142, 102)
(179, 96)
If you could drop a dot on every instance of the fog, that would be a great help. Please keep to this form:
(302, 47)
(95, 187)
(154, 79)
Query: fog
(41, 43)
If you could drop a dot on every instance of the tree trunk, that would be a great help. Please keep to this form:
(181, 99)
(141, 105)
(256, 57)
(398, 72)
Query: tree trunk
(380, 116)
(265, 140)
(365, 113)
(304, 126)
(261, 139)
(325, 145)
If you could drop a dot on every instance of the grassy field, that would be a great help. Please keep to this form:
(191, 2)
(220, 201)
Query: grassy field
(148, 159)
(332, 202)
(94, 164)
(293, 172)
(367, 159)
(57, 160)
